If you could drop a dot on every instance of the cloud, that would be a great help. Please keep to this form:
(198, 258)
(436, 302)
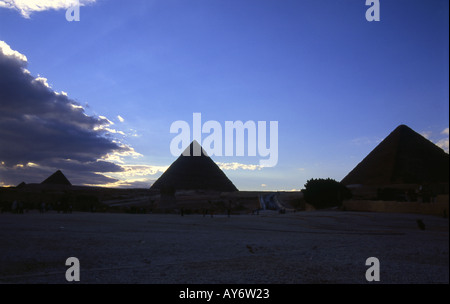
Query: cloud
(134, 176)
(26, 7)
(42, 131)
(426, 134)
(140, 170)
(120, 118)
(117, 156)
(130, 183)
(6, 50)
(444, 142)
(238, 166)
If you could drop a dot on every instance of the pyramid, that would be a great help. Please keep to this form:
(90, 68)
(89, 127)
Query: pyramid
(194, 173)
(403, 157)
(57, 178)
(21, 185)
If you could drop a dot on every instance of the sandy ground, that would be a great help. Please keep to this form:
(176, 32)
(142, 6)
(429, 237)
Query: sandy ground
(293, 248)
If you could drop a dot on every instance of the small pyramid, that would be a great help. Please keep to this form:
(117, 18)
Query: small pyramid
(21, 185)
(403, 157)
(192, 172)
(57, 178)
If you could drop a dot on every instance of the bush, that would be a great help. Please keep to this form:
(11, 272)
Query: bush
(325, 193)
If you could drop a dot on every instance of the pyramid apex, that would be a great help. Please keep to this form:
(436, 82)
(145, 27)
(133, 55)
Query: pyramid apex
(403, 127)
(194, 149)
(57, 178)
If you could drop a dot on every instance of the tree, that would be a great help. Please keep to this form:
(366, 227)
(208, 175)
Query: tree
(325, 193)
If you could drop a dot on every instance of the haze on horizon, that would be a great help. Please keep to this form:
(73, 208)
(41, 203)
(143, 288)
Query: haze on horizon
(96, 98)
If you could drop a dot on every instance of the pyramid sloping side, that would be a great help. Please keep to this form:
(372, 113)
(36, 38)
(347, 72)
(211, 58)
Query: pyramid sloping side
(57, 178)
(21, 185)
(404, 157)
(195, 173)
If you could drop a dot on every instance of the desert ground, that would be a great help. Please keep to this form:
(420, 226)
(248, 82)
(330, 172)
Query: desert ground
(315, 247)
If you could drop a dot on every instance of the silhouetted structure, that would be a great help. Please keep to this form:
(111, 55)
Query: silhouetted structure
(57, 178)
(403, 157)
(21, 185)
(194, 173)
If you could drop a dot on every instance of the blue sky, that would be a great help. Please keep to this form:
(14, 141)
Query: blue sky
(336, 83)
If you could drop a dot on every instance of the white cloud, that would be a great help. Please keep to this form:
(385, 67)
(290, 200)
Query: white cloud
(8, 52)
(263, 185)
(26, 7)
(114, 131)
(105, 126)
(74, 106)
(142, 170)
(135, 176)
(444, 142)
(29, 164)
(237, 166)
(120, 118)
(118, 155)
(106, 119)
(426, 134)
(43, 81)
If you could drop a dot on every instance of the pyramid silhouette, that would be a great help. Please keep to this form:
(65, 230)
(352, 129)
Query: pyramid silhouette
(57, 178)
(403, 157)
(194, 173)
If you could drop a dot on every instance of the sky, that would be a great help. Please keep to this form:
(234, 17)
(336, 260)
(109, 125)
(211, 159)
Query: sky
(96, 98)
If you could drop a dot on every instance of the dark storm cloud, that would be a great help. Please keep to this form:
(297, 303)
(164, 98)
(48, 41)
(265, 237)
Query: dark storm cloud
(43, 127)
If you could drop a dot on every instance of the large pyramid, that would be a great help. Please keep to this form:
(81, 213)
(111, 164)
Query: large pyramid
(403, 157)
(194, 173)
(57, 178)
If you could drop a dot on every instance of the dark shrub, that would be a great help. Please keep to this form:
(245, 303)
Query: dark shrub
(325, 193)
